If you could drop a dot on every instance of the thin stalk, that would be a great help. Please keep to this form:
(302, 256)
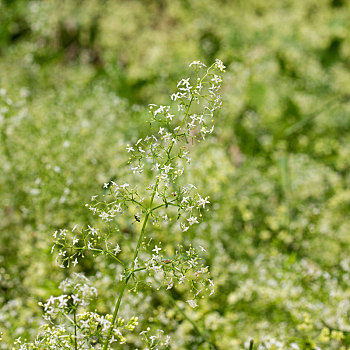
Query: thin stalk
(140, 269)
(163, 205)
(115, 258)
(126, 280)
(115, 313)
(108, 252)
(75, 330)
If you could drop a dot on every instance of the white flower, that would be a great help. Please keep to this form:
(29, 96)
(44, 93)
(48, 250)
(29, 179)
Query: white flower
(191, 263)
(217, 79)
(220, 65)
(75, 299)
(167, 136)
(75, 240)
(197, 64)
(93, 209)
(137, 169)
(184, 81)
(200, 119)
(167, 168)
(85, 324)
(105, 185)
(170, 284)
(156, 249)
(192, 303)
(62, 252)
(184, 228)
(192, 220)
(180, 107)
(164, 176)
(117, 249)
(170, 116)
(203, 201)
(212, 286)
(176, 96)
(156, 166)
(93, 230)
(63, 232)
(130, 149)
(63, 300)
(75, 262)
(153, 338)
(184, 200)
(167, 340)
(104, 216)
(202, 249)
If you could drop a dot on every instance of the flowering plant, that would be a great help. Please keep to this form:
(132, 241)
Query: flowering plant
(164, 155)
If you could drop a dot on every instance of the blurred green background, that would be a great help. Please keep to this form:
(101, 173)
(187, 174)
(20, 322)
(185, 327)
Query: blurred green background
(75, 80)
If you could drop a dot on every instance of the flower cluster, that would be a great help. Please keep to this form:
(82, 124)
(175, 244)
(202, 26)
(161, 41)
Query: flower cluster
(184, 267)
(79, 292)
(165, 154)
(156, 341)
(75, 244)
(77, 327)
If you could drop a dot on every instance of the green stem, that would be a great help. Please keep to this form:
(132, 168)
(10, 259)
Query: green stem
(115, 258)
(75, 330)
(136, 252)
(126, 280)
(140, 269)
(102, 251)
(163, 205)
(115, 313)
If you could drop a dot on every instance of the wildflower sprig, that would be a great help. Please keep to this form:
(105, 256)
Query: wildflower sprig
(185, 267)
(156, 341)
(78, 327)
(163, 156)
(79, 293)
(76, 244)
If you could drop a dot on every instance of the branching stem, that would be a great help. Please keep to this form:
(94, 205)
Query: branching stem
(131, 270)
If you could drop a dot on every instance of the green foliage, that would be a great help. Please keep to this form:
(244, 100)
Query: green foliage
(76, 76)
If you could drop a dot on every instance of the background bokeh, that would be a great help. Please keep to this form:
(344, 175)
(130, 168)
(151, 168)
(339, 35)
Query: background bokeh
(75, 80)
